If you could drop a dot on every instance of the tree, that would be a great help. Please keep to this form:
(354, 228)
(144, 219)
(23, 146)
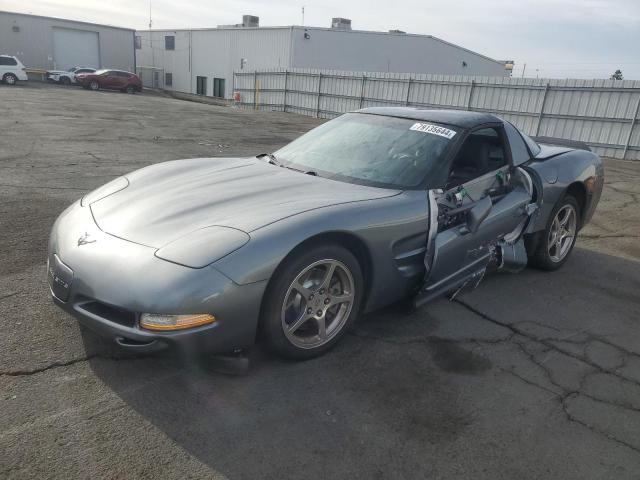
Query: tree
(617, 75)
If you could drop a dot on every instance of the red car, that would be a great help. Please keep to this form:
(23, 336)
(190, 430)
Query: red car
(110, 79)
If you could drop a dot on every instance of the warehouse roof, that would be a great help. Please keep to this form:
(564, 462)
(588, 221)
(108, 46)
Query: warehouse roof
(58, 19)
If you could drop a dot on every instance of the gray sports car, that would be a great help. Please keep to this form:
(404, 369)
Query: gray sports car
(371, 208)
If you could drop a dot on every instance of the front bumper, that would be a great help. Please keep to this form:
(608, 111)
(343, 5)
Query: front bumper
(106, 283)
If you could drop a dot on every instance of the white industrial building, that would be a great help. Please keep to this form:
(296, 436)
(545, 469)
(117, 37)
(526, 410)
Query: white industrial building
(202, 61)
(54, 43)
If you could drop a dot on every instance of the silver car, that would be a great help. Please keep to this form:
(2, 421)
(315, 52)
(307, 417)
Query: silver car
(371, 208)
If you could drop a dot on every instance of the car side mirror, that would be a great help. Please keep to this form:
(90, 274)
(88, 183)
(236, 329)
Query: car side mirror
(478, 213)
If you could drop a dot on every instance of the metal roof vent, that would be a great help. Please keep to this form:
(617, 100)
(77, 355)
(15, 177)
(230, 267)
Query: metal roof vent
(397, 31)
(341, 23)
(250, 21)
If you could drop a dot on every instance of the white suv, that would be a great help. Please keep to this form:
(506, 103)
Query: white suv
(67, 77)
(11, 70)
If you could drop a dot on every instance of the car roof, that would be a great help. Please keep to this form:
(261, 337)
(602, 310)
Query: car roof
(457, 118)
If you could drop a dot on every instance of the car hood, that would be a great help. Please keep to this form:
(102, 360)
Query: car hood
(166, 201)
(59, 72)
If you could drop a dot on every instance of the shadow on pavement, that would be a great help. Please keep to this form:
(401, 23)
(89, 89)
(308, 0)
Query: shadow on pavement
(387, 401)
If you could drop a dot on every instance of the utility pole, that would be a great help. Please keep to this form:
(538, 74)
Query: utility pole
(303, 15)
(523, 69)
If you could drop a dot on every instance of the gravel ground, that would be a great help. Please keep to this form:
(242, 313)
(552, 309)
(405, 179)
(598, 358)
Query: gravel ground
(530, 376)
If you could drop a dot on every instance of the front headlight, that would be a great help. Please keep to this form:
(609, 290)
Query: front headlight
(203, 247)
(107, 189)
(158, 322)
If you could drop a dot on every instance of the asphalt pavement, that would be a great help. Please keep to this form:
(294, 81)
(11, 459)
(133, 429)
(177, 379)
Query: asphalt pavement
(534, 375)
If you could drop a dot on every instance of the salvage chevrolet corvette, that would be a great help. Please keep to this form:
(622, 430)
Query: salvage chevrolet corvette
(376, 206)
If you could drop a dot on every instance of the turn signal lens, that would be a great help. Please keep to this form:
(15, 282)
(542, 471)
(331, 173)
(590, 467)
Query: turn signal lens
(153, 321)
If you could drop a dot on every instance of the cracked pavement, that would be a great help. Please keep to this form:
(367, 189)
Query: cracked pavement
(534, 375)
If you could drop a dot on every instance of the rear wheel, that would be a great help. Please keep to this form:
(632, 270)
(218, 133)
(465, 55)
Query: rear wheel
(9, 79)
(94, 85)
(65, 81)
(312, 301)
(130, 89)
(559, 238)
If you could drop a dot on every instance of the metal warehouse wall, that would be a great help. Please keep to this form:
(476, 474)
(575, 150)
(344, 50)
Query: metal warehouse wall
(602, 113)
(386, 52)
(213, 53)
(33, 43)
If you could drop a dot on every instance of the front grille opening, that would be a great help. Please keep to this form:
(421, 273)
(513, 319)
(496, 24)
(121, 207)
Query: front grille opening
(108, 312)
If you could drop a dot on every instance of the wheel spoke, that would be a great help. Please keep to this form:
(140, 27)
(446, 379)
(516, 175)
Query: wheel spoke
(326, 280)
(301, 289)
(322, 327)
(341, 298)
(304, 318)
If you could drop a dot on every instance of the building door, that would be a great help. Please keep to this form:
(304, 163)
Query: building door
(156, 79)
(218, 87)
(75, 48)
(201, 85)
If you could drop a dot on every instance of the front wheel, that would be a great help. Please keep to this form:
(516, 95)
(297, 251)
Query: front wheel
(312, 301)
(65, 81)
(94, 85)
(130, 89)
(10, 79)
(559, 237)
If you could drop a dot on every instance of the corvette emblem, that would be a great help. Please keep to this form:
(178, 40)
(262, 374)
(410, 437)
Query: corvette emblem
(84, 239)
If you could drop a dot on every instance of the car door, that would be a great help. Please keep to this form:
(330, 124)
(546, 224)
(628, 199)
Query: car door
(109, 79)
(480, 180)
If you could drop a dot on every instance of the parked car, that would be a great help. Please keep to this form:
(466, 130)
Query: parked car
(110, 79)
(373, 207)
(12, 70)
(67, 77)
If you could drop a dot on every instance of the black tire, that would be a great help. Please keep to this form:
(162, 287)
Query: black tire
(541, 257)
(130, 89)
(94, 85)
(10, 79)
(271, 322)
(65, 81)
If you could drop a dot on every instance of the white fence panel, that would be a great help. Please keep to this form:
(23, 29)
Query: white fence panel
(602, 113)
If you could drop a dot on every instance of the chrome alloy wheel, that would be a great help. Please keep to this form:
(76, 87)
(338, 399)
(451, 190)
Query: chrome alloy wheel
(317, 303)
(562, 232)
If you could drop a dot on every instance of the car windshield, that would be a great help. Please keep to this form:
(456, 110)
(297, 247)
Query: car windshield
(71, 70)
(373, 150)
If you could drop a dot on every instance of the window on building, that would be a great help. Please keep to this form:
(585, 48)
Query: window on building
(168, 79)
(201, 85)
(8, 61)
(138, 42)
(169, 42)
(218, 87)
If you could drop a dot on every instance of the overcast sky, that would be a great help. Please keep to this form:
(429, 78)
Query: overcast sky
(555, 38)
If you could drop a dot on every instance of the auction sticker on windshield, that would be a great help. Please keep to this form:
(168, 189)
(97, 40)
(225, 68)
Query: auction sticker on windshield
(433, 129)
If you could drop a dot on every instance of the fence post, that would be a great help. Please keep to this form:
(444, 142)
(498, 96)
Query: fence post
(284, 100)
(633, 124)
(364, 79)
(471, 88)
(544, 100)
(408, 92)
(319, 95)
(255, 89)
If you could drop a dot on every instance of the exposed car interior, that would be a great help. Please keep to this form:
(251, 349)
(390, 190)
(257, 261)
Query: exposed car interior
(482, 152)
